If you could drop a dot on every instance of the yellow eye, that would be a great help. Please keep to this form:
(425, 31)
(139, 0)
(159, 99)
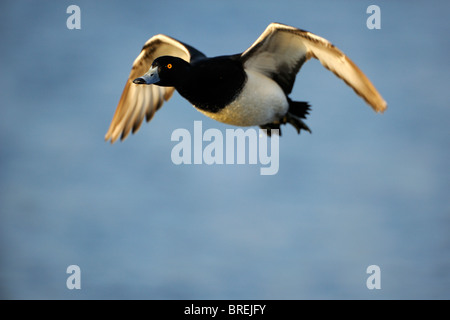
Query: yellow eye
(169, 66)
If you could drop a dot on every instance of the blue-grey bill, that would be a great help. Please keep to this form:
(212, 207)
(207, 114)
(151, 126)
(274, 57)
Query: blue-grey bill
(150, 77)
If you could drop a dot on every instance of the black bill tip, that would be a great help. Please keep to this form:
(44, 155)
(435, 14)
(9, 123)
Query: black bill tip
(139, 81)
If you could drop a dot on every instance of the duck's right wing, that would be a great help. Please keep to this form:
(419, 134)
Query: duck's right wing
(281, 50)
(142, 101)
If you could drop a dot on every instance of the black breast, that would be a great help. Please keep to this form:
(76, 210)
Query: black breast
(211, 84)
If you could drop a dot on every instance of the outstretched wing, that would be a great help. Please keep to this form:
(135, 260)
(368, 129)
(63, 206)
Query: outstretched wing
(281, 50)
(142, 101)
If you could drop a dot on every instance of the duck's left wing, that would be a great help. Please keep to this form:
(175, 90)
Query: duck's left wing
(281, 50)
(142, 101)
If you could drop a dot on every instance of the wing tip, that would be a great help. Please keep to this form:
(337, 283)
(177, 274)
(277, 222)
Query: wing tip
(378, 107)
(381, 109)
(109, 138)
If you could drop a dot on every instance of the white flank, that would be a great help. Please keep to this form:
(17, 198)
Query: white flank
(261, 101)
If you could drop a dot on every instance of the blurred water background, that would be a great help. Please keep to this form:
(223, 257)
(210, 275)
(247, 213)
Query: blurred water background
(363, 189)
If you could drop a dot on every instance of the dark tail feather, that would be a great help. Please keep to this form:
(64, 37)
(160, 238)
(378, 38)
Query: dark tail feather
(296, 112)
(299, 108)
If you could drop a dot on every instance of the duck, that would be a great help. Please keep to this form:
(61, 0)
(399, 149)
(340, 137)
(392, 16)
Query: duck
(247, 89)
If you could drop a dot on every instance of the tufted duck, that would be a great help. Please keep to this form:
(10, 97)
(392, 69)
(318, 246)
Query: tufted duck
(247, 89)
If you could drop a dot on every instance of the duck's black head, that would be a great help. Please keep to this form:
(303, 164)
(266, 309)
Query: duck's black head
(165, 71)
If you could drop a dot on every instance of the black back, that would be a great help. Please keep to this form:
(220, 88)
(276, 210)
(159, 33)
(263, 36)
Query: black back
(213, 83)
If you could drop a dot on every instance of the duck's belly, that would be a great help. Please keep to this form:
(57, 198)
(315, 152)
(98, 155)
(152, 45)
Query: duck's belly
(260, 102)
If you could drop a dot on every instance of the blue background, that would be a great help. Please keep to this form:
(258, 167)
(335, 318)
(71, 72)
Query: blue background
(362, 189)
